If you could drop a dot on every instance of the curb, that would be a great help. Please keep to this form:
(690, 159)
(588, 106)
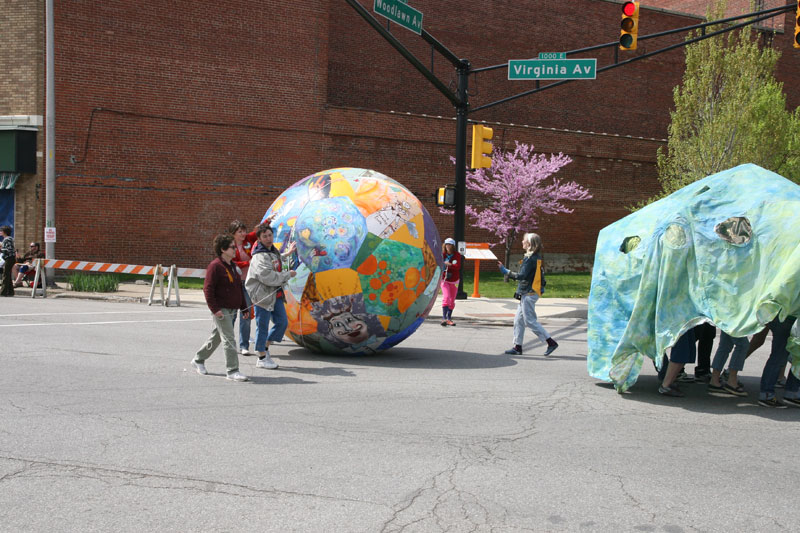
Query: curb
(98, 297)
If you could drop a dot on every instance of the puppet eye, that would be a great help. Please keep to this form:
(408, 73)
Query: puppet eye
(675, 236)
(629, 244)
(735, 230)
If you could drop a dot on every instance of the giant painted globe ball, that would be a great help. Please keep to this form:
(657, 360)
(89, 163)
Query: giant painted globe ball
(368, 259)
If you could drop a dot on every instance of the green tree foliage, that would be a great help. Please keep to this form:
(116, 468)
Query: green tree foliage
(729, 110)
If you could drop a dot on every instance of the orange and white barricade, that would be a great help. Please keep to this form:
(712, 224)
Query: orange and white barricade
(158, 272)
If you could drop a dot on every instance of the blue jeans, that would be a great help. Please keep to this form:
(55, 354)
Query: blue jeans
(279, 323)
(683, 351)
(726, 342)
(244, 331)
(526, 316)
(777, 357)
(792, 389)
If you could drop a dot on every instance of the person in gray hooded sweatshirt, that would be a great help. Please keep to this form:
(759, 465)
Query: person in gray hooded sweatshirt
(264, 284)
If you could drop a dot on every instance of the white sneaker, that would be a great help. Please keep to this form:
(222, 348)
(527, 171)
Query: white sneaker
(200, 367)
(246, 352)
(266, 362)
(238, 376)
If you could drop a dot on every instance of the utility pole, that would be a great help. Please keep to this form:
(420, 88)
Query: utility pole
(50, 135)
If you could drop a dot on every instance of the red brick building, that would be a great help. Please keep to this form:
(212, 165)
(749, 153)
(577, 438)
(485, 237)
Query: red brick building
(174, 119)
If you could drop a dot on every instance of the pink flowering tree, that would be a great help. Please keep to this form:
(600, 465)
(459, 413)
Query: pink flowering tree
(518, 188)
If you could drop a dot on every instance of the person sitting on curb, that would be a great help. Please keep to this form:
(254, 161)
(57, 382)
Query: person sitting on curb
(223, 292)
(732, 386)
(25, 263)
(530, 286)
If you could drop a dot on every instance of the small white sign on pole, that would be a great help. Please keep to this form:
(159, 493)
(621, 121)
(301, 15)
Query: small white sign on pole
(49, 234)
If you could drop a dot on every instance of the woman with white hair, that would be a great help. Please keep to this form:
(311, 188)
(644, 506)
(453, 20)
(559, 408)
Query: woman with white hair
(530, 286)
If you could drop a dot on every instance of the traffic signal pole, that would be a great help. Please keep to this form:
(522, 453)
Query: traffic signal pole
(460, 100)
(462, 109)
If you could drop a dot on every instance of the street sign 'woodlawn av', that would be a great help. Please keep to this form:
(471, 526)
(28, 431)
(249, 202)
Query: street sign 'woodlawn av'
(400, 12)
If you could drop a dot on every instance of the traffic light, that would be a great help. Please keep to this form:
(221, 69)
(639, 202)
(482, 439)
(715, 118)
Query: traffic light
(629, 27)
(481, 147)
(446, 196)
(796, 42)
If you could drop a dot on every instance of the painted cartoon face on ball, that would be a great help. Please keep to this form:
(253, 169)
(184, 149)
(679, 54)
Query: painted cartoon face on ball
(348, 328)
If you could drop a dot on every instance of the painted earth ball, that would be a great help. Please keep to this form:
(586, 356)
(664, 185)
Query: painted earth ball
(368, 260)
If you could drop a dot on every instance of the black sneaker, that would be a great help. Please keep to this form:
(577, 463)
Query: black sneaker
(792, 401)
(444, 323)
(672, 391)
(550, 349)
(683, 377)
(773, 402)
(513, 351)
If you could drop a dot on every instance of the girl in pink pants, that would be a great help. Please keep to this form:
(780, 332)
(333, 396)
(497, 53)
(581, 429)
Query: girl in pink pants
(452, 273)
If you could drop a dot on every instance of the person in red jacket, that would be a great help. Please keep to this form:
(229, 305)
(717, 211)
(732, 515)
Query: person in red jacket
(243, 244)
(452, 273)
(224, 296)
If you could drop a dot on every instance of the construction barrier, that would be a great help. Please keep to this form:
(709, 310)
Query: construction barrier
(158, 272)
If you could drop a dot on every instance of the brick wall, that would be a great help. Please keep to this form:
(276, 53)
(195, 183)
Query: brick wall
(22, 93)
(632, 100)
(618, 171)
(172, 122)
(207, 110)
(734, 7)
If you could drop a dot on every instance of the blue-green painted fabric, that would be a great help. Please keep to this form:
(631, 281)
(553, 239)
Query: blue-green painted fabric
(683, 272)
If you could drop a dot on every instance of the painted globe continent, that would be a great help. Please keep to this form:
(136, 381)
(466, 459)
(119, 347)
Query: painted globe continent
(368, 260)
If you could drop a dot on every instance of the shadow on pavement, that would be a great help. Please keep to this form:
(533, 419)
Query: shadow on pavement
(698, 400)
(410, 358)
(324, 371)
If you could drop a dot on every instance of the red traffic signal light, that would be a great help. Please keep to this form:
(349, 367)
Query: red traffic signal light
(629, 8)
(629, 26)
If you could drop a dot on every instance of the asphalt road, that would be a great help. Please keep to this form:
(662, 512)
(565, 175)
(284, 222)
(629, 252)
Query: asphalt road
(105, 427)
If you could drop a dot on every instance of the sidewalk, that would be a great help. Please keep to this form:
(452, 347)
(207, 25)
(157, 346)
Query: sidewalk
(498, 311)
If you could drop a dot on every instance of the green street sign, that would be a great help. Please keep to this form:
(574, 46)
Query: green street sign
(552, 69)
(401, 13)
